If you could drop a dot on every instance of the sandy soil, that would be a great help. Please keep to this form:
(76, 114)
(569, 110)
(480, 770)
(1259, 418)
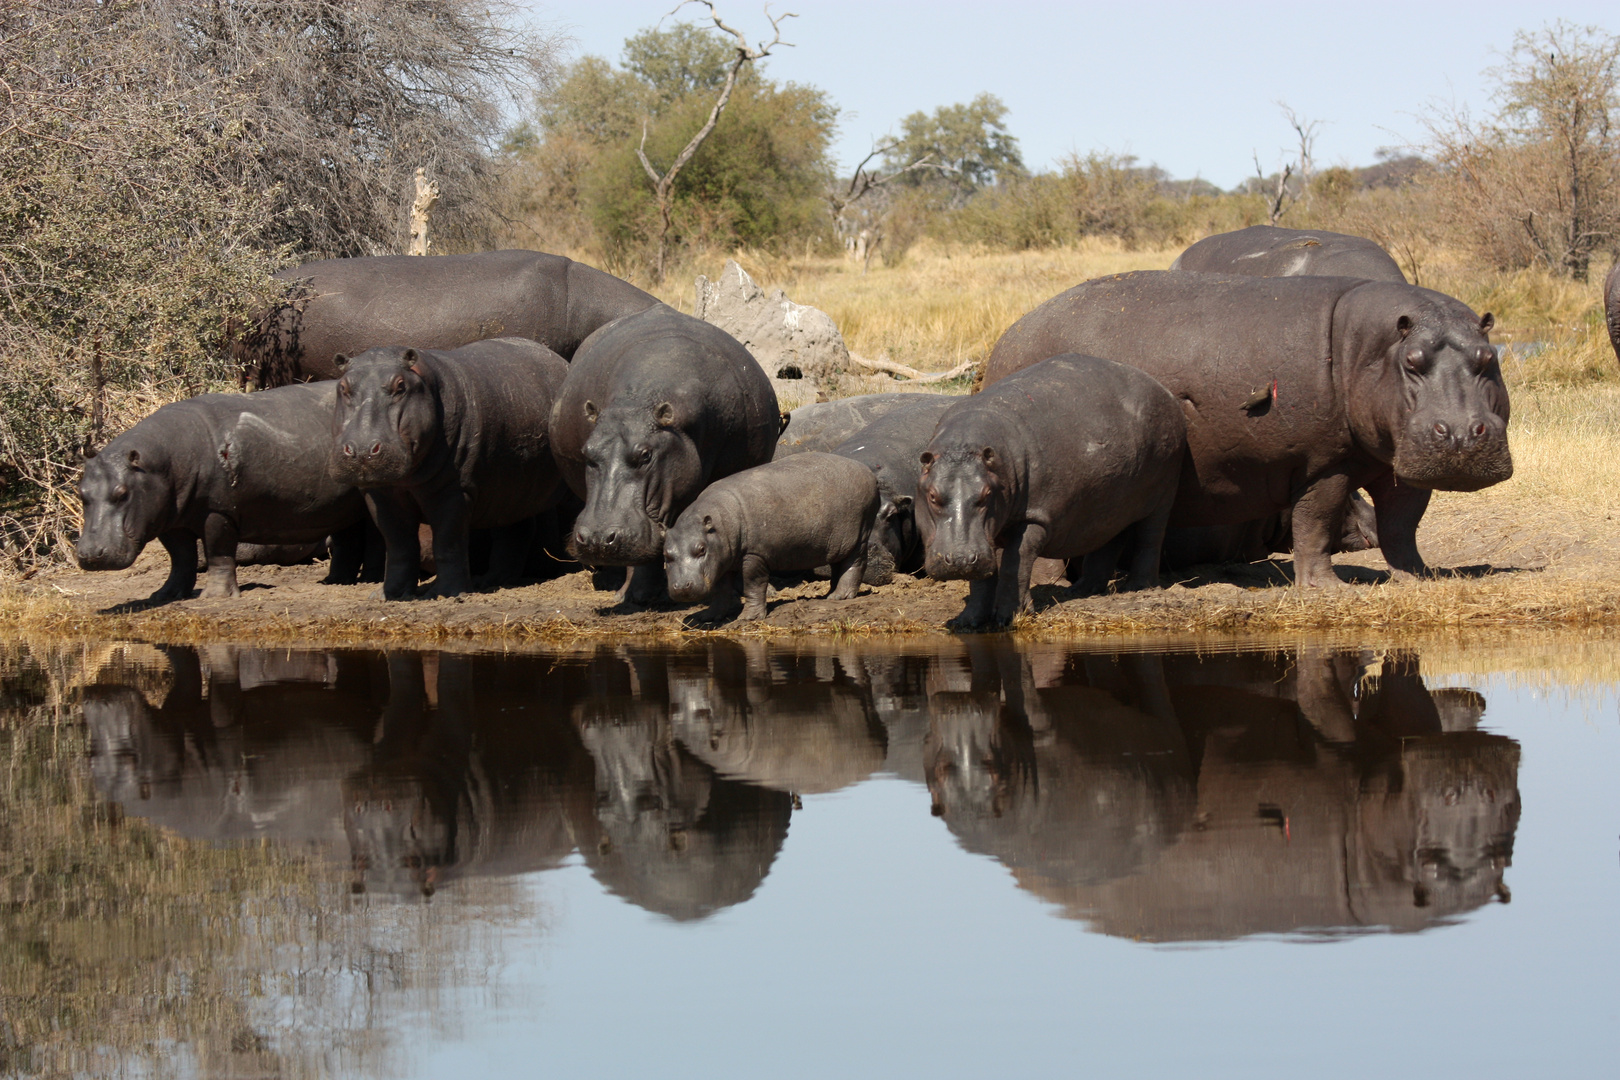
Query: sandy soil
(1496, 570)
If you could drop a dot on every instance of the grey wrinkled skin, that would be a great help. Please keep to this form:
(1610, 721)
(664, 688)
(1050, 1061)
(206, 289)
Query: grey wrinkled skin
(890, 446)
(826, 424)
(798, 513)
(1611, 306)
(1268, 251)
(656, 406)
(220, 468)
(456, 440)
(1297, 391)
(1252, 541)
(350, 305)
(1073, 456)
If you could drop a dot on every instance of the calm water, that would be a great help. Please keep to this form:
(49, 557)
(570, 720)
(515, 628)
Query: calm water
(959, 859)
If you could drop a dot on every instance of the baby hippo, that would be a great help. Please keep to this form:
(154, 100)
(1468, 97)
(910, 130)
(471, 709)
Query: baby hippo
(1071, 456)
(797, 513)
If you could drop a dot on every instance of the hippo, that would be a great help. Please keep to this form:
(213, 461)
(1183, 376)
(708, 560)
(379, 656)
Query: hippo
(825, 424)
(1252, 541)
(221, 468)
(1267, 251)
(441, 302)
(890, 446)
(656, 406)
(456, 440)
(797, 513)
(1611, 305)
(1073, 456)
(1298, 390)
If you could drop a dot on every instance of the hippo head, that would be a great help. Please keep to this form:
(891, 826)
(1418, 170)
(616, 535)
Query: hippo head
(386, 418)
(1424, 388)
(128, 500)
(963, 503)
(400, 836)
(642, 468)
(698, 551)
(894, 536)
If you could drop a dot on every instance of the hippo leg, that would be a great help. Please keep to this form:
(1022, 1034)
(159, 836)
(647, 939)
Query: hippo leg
(756, 580)
(1399, 508)
(1318, 520)
(981, 605)
(1148, 537)
(397, 522)
(644, 585)
(219, 546)
(847, 575)
(1017, 564)
(726, 599)
(450, 554)
(509, 552)
(348, 548)
(182, 549)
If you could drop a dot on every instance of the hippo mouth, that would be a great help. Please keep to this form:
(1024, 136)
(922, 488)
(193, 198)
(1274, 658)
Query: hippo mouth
(1455, 472)
(960, 566)
(107, 557)
(635, 543)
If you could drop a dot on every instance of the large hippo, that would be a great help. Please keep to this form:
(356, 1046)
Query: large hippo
(456, 440)
(825, 424)
(1073, 456)
(891, 447)
(797, 513)
(440, 302)
(1267, 251)
(1297, 391)
(656, 406)
(221, 468)
(1611, 304)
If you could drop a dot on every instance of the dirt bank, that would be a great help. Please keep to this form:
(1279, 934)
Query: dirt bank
(1499, 569)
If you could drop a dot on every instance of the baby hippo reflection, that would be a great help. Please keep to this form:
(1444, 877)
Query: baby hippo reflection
(798, 734)
(1065, 785)
(667, 834)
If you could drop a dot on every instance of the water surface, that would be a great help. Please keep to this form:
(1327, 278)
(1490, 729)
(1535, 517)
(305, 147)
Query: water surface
(949, 859)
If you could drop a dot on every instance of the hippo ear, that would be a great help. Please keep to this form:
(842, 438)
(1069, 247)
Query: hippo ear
(590, 412)
(902, 503)
(1486, 322)
(1404, 325)
(135, 460)
(89, 451)
(708, 523)
(411, 360)
(340, 361)
(927, 459)
(989, 455)
(664, 414)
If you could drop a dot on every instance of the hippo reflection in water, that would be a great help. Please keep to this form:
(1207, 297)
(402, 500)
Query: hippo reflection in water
(1290, 795)
(666, 833)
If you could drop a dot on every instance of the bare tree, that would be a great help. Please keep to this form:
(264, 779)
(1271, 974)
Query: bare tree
(1540, 181)
(1305, 133)
(664, 183)
(1279, 195)
(1279, 199)
(862, 238)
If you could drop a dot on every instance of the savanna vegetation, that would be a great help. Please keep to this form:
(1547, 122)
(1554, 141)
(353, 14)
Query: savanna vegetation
(158, 160)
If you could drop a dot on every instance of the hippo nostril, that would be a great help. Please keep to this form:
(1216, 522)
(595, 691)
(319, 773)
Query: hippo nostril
(611, 537)
(376, 448)
(1441, 429)
(348, 449)
(1478, 430)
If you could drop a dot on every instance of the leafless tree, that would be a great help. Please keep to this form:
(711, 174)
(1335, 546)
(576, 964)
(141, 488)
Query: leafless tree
(1279, 195)
(664, 183)
(863, 237)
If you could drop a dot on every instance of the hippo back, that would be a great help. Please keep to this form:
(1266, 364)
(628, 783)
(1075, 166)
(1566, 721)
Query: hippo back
(825, 424)
(440, 302)
(1267, 251)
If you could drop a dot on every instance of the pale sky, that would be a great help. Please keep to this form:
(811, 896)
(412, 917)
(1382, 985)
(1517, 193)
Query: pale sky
(1190, 87)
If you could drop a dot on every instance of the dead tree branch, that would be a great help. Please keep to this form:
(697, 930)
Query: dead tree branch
(664, 184)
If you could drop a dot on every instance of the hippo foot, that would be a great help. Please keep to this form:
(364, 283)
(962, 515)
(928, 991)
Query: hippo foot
(221, 591)
(751, 613)
(169, 594)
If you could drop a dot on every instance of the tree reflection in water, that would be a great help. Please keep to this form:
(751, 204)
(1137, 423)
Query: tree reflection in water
(247, 855)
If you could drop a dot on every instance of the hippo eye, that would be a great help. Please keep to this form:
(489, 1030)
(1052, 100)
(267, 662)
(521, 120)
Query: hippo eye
(699, 551)
(935, 501)
(398, 385)
(644, 457)
(343, 387)
(120, 493)
(1414, 360)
